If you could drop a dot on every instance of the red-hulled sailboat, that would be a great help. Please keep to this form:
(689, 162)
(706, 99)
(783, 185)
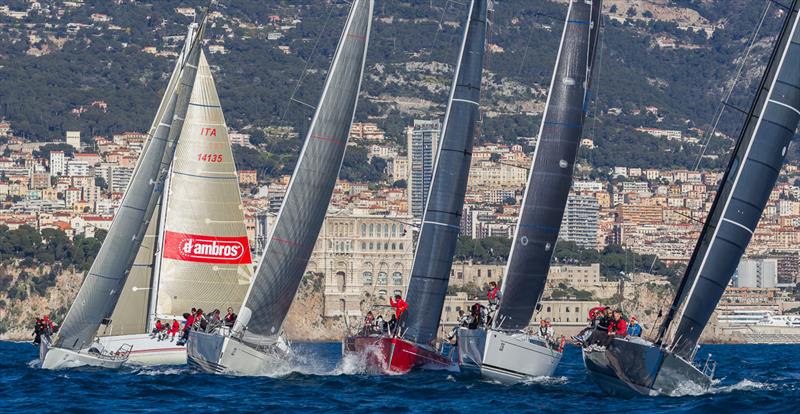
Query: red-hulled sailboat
(412, 345)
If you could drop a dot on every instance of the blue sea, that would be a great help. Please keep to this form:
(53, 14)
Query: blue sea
(753, 378)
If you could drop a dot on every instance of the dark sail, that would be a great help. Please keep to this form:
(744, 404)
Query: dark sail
(745, 188)
(308, 196)
(440, 225)
(550, 177)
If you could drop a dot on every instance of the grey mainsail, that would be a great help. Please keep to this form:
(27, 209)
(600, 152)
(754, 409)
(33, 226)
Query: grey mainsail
(550, 177)
(308, 195)
(744, 190)
(440, 224)
(130, 315)
(205, 255)
(106, 278)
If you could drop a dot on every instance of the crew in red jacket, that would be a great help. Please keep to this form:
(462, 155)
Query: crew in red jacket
(618, 326)
(399, 305)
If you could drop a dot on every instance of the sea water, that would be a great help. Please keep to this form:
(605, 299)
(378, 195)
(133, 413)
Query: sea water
(752, 378)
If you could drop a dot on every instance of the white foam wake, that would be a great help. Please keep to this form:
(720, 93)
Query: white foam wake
(694, 390)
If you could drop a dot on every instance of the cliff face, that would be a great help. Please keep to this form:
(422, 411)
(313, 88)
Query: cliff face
(21, 303)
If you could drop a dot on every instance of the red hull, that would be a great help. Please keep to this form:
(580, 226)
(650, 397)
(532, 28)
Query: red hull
(384, 355)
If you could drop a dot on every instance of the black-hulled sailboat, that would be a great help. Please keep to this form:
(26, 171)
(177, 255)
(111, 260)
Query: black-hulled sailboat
(412, 345)
(76, 343)
(255, 345)
(666, 366)
(506, 351)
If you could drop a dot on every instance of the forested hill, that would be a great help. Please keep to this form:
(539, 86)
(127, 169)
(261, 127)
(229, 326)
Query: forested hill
(663, 64)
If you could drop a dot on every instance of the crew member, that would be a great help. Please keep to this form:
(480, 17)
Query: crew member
(634, 329)
(399, 305)
(230, 318)
(494, 295)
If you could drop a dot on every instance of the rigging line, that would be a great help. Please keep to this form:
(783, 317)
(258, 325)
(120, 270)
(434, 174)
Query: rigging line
(308, 62)
(597, 72)
(721, 107)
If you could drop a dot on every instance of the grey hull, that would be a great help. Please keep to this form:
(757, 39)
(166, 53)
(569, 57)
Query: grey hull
(630, 367)
(503, 357)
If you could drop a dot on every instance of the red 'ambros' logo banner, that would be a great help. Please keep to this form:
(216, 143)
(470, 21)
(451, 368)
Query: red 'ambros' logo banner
(206, 249)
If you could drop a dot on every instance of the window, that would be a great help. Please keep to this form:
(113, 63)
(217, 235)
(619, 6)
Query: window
(382, 292)
(567, 309)
(378, 245)
(363, 246)
(371, 246)
(479, 272)
(363, 230)
(460, 275)
(402, 230)
(386, 246)
(397, 278)
(567, 319)
(383, 278)
(394, 230)
(368, 278)
(447, 309)
(489, 273)
(397, 292)
(385, 230)
(371, 230)
(401, 246)
(548, 309)
(394, 246)
(577, 310)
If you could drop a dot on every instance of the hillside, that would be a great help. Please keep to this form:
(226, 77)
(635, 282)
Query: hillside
(662, 64)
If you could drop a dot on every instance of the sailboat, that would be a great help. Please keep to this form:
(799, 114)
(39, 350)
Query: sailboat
(255, 345)
(505, 351)
(411, 345)
(75, 344)
(202, 255)
(630, 366)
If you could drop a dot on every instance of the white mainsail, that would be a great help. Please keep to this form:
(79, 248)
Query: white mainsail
(205, 256)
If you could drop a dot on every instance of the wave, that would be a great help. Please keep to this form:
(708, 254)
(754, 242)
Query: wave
(695, 390)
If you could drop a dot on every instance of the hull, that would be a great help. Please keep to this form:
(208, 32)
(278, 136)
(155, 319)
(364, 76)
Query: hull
(148, 351)
(60, 358)
(385, 355)
(218, 354)
(637, 367)
(506, 358)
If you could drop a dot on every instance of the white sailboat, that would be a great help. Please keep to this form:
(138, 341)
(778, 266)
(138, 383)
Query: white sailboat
(255, 345)
(75, 343)
(505, 351)
(202, 254)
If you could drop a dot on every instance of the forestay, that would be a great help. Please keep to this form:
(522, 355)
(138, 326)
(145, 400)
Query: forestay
(433, 257)
(308, 195)
(550, 177)
(103, 284)
(745, 188)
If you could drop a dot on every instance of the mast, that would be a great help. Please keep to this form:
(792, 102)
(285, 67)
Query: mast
(131, 314)
(744, 189)
(433, 257)
(550, 177)
(105, 280)
(306, 201)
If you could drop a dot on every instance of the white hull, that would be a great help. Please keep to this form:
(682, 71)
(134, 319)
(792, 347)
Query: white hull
(60, 358)
(147, 350)
(220, 354)
(503, 357)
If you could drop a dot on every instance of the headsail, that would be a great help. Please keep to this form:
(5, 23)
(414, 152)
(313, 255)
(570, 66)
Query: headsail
(130, 316)
(550, 178)
(308, 195)
(744, 190)
(205, 258)
(102, 286)
(433, 257)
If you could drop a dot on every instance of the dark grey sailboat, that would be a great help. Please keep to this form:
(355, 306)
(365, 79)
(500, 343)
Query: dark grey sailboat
(74, 345)
(505, 351)
(630, 366)
(412, 346)
(255, 345)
